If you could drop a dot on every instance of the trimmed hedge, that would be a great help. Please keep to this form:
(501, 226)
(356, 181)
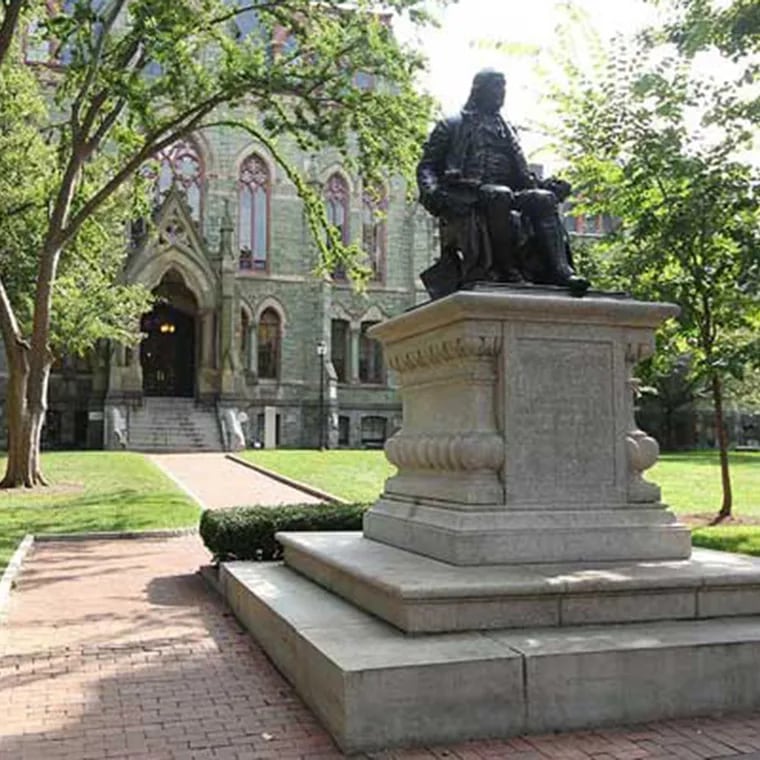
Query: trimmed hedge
(248, 532)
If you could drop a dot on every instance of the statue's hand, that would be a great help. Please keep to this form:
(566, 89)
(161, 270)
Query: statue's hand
(559, 187)
(434, 200)
(496, 193)
(443, 203)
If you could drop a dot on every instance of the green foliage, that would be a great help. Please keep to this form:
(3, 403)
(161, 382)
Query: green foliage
(702, 29)
(744, 539)
(93, 491)
(248, 533)
(139, 75)
(25, 168)
(88, 302)
(745, 393)
(734, 28)
(650, 141)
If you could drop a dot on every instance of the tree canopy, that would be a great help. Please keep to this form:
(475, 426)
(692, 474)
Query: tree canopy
(89, 301)
(123, 80)
(652, 138)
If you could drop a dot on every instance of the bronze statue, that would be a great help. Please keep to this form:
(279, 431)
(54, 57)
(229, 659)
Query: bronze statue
(499, 223)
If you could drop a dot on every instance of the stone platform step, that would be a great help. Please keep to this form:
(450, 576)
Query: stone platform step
(418, 594)
(374, 687)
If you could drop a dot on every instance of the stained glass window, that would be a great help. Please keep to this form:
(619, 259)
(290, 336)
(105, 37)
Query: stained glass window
(374, 206)
(370, 356)
(181, 164)
(336, 201)
(339, 338)
(253, 213)
(268, 338)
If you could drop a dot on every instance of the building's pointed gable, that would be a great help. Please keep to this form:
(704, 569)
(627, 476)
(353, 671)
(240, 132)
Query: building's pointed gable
(175, 227)
(175, 237)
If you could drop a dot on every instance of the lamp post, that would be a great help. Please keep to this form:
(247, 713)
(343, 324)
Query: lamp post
(321, 352)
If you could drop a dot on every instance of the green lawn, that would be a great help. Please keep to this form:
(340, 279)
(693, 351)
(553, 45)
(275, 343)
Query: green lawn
(93, 491)
(350, 475)
(690, 481)
(101, 491)
(690, 484)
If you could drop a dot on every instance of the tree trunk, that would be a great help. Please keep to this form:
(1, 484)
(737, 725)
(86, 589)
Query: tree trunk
(28, 373)
(720, 431)
(22, 468)
(9, 26)
(25, 422)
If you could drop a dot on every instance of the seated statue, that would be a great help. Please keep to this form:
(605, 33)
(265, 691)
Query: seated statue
(498, 222)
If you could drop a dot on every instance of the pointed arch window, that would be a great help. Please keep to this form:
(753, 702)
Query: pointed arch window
(254, 191)
(268, 345)
(180, 164)
(374, 210)
(336, 199)
(337, 205)
(371, 367)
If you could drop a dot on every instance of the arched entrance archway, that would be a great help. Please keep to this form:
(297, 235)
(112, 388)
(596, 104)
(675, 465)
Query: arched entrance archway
(168, 350)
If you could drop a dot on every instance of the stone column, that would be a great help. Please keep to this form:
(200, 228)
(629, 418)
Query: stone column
(270, 427)
(229, 319)
(252, 342)
(207, 339)
(207, 374)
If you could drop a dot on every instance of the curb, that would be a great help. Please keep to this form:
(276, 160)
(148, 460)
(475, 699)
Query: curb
(210, 574)
(311, 490)
(8, 579)
(114, 535)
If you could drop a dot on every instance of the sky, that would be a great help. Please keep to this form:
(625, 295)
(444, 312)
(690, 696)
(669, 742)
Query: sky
(470, 30)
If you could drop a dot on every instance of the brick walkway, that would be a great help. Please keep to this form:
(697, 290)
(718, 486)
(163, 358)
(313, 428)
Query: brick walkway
(116, 649)
(216, 482)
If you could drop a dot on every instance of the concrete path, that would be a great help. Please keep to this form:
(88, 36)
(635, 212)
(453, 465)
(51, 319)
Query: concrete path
(215, 482)
(117, 649)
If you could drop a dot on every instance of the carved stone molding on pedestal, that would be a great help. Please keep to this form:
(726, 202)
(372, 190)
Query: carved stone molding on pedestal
(518, 441)
(643, 450)
(450, 447)
(463, 451)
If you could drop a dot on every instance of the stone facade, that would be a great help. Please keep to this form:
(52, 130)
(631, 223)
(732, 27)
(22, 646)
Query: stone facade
(191, 256)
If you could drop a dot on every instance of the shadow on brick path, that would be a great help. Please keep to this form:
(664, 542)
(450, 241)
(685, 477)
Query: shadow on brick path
(117, 649)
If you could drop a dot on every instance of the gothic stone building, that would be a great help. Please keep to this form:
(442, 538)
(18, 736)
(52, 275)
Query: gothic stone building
(246, 344)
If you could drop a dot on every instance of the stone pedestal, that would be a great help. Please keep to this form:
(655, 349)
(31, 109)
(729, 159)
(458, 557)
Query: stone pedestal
(518, 574)
(519, 443)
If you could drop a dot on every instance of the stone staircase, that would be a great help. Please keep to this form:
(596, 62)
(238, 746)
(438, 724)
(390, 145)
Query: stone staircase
(173, 424)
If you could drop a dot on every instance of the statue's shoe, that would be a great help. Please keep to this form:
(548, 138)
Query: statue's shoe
(512, 275)
(577, 285)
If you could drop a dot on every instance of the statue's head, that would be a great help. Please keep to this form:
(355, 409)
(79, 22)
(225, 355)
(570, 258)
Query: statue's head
(487, 93)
